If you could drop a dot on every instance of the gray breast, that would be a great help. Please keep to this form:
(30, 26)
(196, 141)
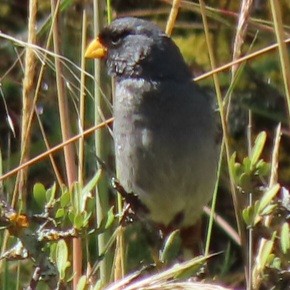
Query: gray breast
(165, 147)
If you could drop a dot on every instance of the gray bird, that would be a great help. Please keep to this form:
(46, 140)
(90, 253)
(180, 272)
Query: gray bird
(164, 125)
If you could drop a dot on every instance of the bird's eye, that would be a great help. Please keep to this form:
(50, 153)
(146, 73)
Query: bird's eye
(115, 40)
(116, 37)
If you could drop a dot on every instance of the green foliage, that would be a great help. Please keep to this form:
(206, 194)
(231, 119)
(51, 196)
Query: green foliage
(272, 254)
(266, 255)
(61, 258)
(253, 214)
(252, 169)
(171, 248)
(66, 214)
(285, 238)
(82, 284)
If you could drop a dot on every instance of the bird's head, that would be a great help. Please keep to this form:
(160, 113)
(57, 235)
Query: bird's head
(136, 48)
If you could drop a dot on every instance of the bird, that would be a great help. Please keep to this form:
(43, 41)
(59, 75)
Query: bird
(164, 124)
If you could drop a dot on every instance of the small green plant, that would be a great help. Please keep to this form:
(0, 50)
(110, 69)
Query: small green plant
(265, 216)
(44, 236)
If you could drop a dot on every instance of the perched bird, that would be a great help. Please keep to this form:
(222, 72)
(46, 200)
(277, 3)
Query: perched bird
(164, 125)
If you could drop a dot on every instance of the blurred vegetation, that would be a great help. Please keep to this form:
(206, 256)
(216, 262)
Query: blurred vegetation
(259, 90)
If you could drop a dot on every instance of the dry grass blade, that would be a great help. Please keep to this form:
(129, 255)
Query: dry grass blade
(55, 148)
(163, 280)
(283, 53)
(275, 157)
(172, 17)
(240, 60)
(241, 31)
(27, 97)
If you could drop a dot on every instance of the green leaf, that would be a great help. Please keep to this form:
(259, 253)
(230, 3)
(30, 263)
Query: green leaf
(188, 269)
(276, 263)
(76, 197)
(110, 218)
(238, 171)
(258, 148)
(62, 258)
(265, 252)
(171, 247)
(285, 238)
(39, 194)
(82, 284)
(267, 198)
(270, 259)
(262, 168)
(65, 198)
(268, 209)
(98, 285)
(60, 213)
(86, 219)
(78, 221)
(233, 161)
(71, 216)
(50, 195)
(249, 215)
(83, 194)
(92, 183)
(245, 180)
(107, 220)
(247, 165)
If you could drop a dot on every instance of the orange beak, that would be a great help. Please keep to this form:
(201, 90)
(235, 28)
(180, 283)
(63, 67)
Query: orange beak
(96, 49)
